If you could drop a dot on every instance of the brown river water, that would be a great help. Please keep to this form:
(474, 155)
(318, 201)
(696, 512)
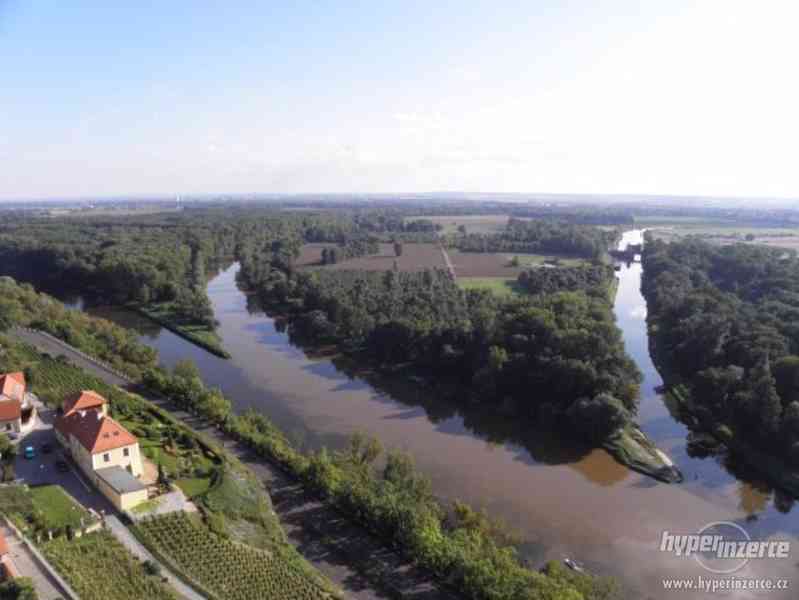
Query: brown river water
(562, 501)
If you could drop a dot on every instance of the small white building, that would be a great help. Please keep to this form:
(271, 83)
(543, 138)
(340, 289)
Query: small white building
(105, 451)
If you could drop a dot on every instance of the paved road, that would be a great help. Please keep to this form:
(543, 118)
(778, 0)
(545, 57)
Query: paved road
(352, 558)
(126, 538)
(46, 587)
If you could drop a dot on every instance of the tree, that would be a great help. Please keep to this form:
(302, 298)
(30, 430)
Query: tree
(186, 369)
(768, 401)
(599, 417)
(18, 589)
(7, 450)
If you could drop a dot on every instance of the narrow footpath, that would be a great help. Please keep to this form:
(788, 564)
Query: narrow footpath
(355, 560)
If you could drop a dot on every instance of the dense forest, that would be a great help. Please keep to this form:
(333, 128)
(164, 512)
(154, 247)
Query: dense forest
(724, 322)
(555, 355)
(538, 236)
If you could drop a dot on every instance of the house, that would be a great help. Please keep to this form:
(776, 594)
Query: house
(106, 452)
(12, 396)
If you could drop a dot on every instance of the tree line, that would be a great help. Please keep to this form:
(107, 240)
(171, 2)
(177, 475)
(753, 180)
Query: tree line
(725, 322)
(541, 237)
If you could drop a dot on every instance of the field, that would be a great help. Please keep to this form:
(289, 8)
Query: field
(98, 567)
(485, 264)
(311, 254)
(722, 232)
(473, 223)
(221, 568)
(500, 286)
(415, 257)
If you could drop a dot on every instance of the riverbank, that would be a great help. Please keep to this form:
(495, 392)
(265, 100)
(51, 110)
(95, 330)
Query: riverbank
(165, 315)
(345, 552)
(778, 472)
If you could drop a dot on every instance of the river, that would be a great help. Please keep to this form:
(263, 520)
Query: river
(561, 501)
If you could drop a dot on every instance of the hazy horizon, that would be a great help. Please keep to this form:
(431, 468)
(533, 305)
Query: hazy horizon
(678, 99)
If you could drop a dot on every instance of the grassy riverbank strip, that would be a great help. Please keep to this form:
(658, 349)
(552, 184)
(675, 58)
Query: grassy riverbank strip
(198, 334)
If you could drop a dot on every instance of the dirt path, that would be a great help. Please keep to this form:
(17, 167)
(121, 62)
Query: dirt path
(450, 266)
(356, 561)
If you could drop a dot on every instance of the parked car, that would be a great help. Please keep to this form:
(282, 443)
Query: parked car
(29, 452)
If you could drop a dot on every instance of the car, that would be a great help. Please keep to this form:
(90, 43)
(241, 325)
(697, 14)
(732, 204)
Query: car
(46, 448)
(29, 452)
(62, 466)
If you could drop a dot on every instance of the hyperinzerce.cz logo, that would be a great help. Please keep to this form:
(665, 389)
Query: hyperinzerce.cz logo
(722, 547)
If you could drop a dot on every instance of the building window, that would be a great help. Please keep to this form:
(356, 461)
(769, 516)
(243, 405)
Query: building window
(126, 452)
(107, 457)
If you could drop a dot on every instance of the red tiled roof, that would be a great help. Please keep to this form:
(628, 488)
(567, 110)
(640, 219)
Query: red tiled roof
(85, 400)
(3, 545)
(9, 385)
(10, 410)
(95, 432)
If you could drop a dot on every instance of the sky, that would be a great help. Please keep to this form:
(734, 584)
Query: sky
(190, 97)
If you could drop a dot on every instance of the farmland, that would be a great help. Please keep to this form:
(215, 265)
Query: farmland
(98, 567)
(415, 257)
(222, 568)
(472, 223)
(311, 254)
(489, 264)
(720, 231)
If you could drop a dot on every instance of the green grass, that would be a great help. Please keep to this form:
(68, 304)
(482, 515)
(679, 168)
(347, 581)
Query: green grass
(194, 486)
(536, 260)
(501, 286)
(57, 508)
(98, 567)
(15, 500)
(198, 333)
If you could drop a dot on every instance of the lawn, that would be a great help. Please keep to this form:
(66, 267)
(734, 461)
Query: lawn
(57, 508)
(194, 486)
(501, 286)
(98, 567)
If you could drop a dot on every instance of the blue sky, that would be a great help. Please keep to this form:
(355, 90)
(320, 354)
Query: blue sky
(677, 97)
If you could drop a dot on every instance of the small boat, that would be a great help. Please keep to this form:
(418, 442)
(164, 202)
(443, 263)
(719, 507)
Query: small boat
(573, 565)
